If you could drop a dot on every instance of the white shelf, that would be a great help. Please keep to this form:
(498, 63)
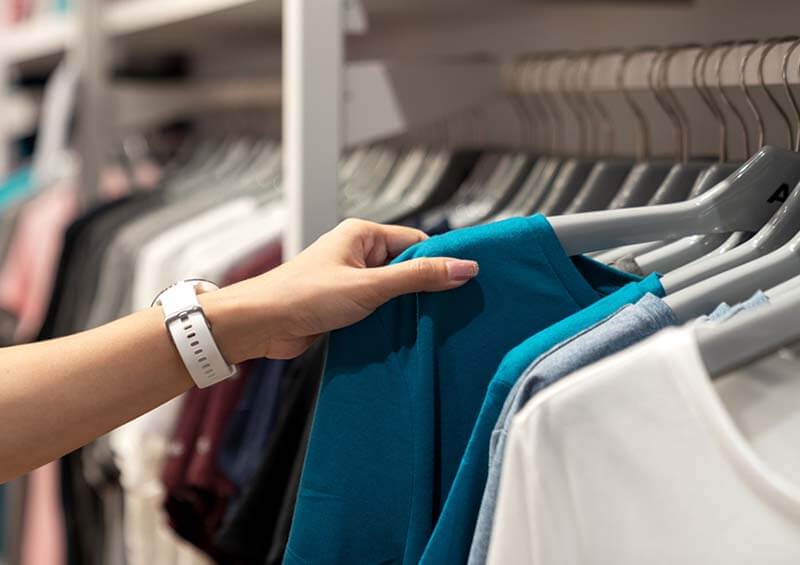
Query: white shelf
(51, 35)
(35, 39)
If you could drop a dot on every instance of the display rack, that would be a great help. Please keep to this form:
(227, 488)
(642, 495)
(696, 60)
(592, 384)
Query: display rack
(334, 93)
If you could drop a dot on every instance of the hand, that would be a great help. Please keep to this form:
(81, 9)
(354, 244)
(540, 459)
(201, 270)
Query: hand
(339, 280)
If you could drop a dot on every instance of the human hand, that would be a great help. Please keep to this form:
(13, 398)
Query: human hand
(339, 280)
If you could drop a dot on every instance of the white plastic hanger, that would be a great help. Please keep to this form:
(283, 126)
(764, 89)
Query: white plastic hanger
(690, 249)
(750, 335)
(781, 227)
(742, 202)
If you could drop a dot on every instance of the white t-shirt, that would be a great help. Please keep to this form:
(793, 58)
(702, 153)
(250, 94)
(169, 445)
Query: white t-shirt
(638, 459)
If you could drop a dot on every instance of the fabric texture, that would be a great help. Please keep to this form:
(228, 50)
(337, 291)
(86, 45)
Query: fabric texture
(644, 441)
(257, 528)
(627, 326)
(404, 387)
(249, 427)
(452, 536)
(196, 490)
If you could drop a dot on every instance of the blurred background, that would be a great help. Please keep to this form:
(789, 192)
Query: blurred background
(121, 120)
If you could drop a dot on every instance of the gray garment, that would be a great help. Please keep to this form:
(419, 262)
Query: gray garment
(628, 264)
(628, 326)
(113, 298)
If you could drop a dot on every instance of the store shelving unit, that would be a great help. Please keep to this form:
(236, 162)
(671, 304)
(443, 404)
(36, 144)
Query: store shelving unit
(335, 94)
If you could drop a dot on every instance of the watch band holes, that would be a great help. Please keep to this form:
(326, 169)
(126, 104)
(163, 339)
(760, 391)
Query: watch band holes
(202, 359)
(194, 343)
(191, 335)
(198, 351)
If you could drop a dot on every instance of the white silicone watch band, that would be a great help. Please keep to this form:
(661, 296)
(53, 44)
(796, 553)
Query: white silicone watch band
(192, 336)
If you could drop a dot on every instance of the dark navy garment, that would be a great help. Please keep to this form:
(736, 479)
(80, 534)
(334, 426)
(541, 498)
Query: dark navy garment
(248, 429)
(403, 389)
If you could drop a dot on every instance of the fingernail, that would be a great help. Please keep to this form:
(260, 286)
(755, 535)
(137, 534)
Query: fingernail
(461, 270)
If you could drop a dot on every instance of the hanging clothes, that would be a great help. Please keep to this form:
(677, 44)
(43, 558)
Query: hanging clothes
(378, 474)
(649, 446)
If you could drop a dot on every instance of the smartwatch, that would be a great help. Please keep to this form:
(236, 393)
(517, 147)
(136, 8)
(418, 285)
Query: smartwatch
(191, 332)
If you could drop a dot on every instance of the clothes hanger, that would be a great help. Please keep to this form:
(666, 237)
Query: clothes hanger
(498, 191)
(574, 171)
(775, 233)
(686, 250)
(751, 335)
(645, 177)
(608, 174)
(675, 185)
(538, 189)
(682, 177)
(726, 166)
(742, 202)
(782, 264)
(738, 283)
(537, 120)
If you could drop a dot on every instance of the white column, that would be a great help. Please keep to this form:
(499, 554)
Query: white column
(93, 102)
(313, 59)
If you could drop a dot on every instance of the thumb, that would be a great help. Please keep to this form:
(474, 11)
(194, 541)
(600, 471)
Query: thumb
(428, 274)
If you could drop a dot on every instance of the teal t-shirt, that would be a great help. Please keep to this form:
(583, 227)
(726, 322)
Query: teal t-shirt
(404, 388)
(452, 536)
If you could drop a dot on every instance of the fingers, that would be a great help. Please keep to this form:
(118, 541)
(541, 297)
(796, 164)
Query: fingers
(382, 242)
(423, 275)
(399, 238)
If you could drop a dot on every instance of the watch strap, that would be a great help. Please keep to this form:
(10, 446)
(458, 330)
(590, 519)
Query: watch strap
(191, 334)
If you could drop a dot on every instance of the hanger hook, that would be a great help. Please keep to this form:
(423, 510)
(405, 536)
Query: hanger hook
(788, 89)
(748, 93)
(557, 115)
(582, 96)
(727, 49)
(700, 84)
(565, 90)
(641, 131)
(787, 122)
(654, 86)
(513, 87)
(680, 113)
(526, 97)
(534, 67)
(600, 108)
(552, 117)
(535, 73)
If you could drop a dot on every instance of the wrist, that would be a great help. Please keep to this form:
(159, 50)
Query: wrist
(239, 327)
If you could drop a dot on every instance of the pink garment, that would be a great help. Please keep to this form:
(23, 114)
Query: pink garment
(26, 278)
(43, 527)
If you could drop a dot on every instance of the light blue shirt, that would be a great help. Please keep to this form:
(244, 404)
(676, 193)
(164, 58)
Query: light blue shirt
(627, 326)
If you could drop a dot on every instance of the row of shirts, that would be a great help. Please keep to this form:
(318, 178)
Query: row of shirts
(420, 408)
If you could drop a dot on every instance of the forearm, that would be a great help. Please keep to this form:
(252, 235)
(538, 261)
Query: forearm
(58, 395)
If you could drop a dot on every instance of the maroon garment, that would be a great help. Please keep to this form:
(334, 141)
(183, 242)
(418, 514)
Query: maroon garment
(259, 262)
(197, 492)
